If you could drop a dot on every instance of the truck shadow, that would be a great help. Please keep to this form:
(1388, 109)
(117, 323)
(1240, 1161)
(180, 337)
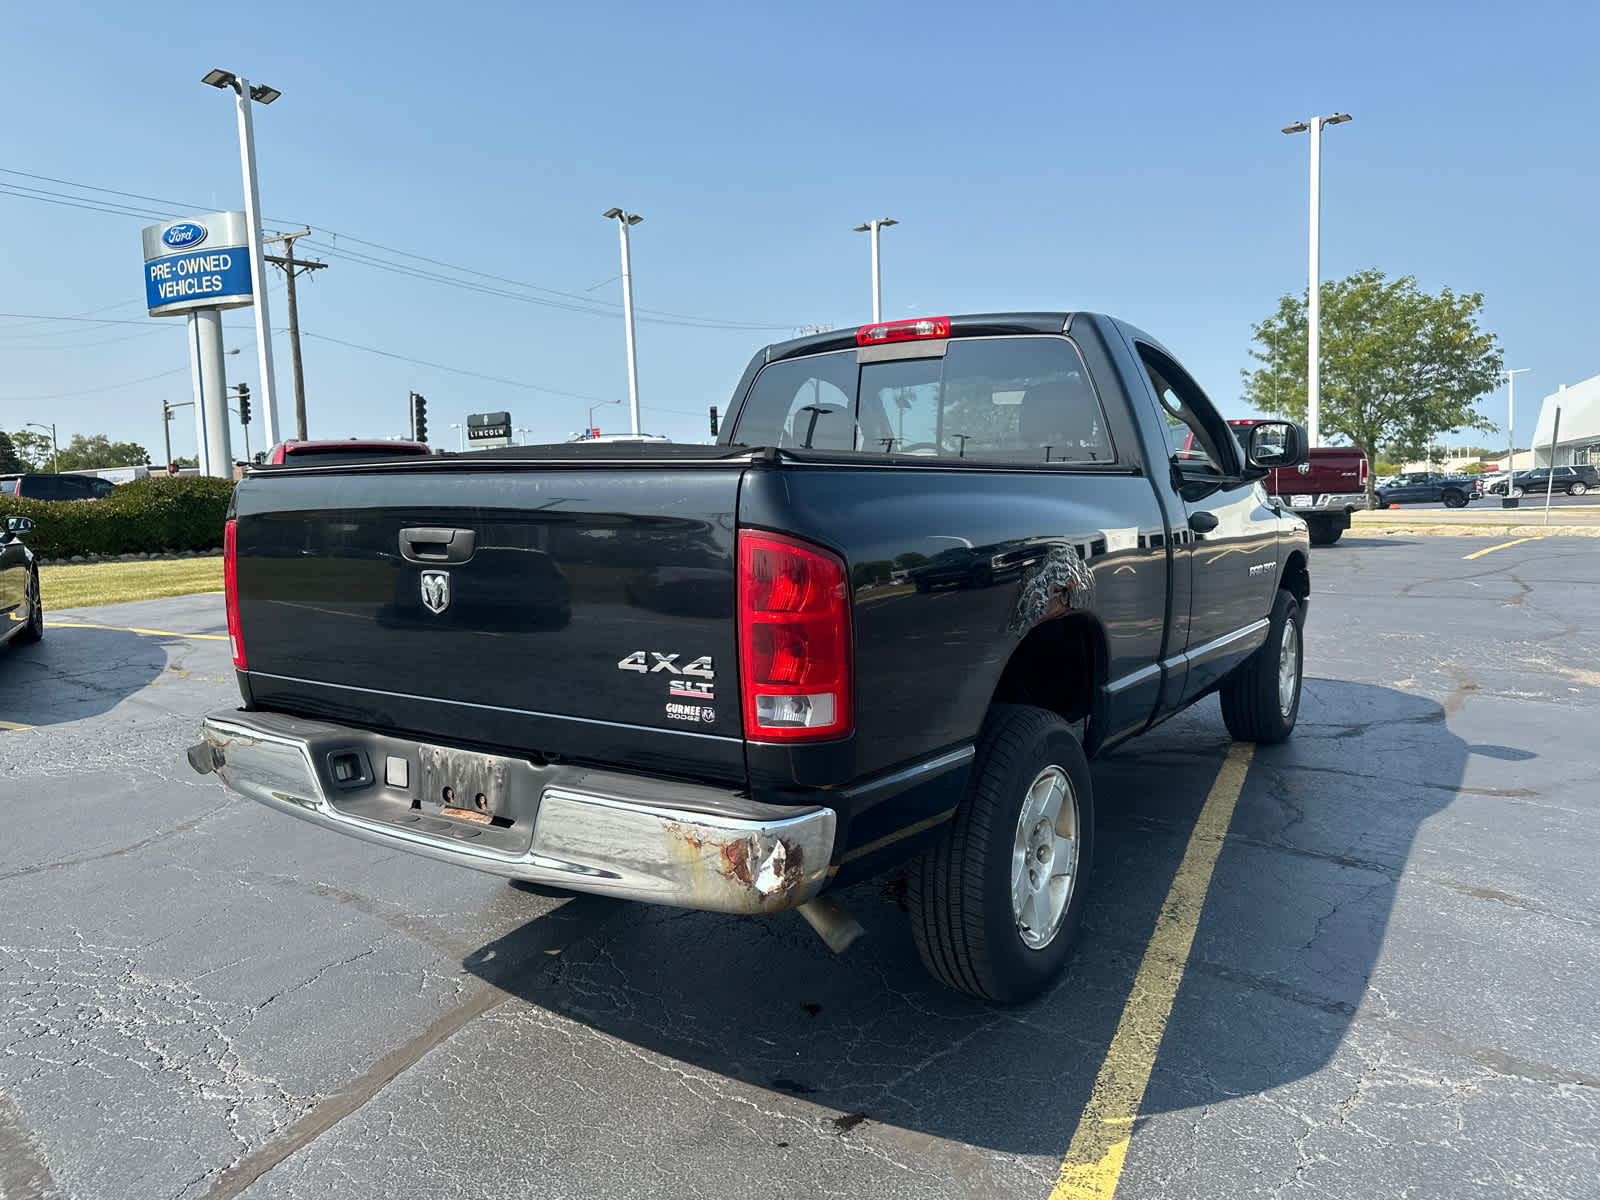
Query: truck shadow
(75, 673)
(1291, 929)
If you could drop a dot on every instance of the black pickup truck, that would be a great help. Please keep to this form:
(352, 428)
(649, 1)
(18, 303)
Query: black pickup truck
(928, 569)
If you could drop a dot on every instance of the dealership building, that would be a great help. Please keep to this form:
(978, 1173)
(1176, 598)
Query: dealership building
(1578, 439)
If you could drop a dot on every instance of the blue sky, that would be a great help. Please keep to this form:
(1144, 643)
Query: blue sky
(1124, 158)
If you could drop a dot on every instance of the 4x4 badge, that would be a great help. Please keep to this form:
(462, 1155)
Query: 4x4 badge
(436, 590)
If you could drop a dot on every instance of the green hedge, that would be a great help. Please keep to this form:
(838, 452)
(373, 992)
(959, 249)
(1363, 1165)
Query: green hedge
(153, 515)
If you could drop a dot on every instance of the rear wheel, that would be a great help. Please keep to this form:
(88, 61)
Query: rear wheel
(1578, 489)
(1324, 532)
(1517, 493)
(995, 904)
(33, 628)
(1261, 700)
(1455, 499)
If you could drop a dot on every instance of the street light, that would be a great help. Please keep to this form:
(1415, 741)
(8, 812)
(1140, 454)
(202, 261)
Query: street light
(55, 446)
(461, 435)
(522, 429)
(1314, 298)
(625, 221)
(873, 227)
(245, 94)
(1511, 420)
(592, 407)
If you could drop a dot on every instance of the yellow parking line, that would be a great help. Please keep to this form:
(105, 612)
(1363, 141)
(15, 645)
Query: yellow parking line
(205, 637)
(13, 726)
(1094, 1160)
(1501, 546)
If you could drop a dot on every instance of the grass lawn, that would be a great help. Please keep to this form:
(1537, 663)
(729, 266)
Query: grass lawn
(79, 584)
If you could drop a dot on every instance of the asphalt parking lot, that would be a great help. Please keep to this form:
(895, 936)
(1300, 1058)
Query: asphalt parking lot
(1390, 989)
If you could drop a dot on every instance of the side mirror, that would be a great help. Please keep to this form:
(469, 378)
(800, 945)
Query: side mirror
(16, 525)
(1274, 444)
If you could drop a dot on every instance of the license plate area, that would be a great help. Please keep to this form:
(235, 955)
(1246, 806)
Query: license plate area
(462, 785)
(1300, 501)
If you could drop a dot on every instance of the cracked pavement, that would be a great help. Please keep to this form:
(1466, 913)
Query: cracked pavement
(1389, 991)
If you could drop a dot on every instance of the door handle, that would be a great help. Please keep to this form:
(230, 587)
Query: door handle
(429, 544)
(1202, 522)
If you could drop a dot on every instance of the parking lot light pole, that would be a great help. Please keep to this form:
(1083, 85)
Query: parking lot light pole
(873, 227)
(55, 446)
(625, 221)
(1313, 295)
(246, 95)
(1511, 421)
(461, 435)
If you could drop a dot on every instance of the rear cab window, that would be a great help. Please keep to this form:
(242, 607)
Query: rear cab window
(1013, 399)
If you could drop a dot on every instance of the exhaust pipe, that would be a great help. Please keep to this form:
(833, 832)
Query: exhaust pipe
(833, 925)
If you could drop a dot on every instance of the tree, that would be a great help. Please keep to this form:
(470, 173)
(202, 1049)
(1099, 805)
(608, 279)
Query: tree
(84, 453)
(1399, 366)
(10, 461)
(33, 449)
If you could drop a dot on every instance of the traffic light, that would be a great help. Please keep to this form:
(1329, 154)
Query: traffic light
(419, 416)
(244, 404)
(713, 420)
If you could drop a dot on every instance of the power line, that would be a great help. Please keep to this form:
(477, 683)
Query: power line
(422, 362)
(583, 304)
(110, 387)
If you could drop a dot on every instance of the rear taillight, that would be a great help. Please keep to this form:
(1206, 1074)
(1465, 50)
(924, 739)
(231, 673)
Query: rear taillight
(903, 331)
(1363, 468)
(795, 653)
(230, 590)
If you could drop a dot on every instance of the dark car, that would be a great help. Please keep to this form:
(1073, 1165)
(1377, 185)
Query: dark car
(1429, 487)
(1574, 481)
(929, 567)
(21, 614)
(55, 487)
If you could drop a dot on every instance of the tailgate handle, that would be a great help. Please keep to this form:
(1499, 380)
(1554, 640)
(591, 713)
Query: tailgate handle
(428, 544)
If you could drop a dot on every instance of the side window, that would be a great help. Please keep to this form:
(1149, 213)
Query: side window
(802, 402)
(1198, 438)
(101, 487)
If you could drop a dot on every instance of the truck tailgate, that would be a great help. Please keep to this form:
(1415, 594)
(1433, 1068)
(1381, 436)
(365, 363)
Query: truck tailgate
(551, 609)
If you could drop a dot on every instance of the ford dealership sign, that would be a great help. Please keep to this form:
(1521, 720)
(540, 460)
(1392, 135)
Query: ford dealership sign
(184, 234)
(199, 262)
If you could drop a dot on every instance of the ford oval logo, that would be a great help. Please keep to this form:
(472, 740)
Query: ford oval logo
(185, 233)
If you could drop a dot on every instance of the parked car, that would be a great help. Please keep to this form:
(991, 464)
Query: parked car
(325, 453)
(1322, 491)
(765, 720)
(1574, 481)
(21, 612)
(1428, 487)
(42, 486)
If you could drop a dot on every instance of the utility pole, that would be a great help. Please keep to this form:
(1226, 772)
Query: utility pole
(293, 266)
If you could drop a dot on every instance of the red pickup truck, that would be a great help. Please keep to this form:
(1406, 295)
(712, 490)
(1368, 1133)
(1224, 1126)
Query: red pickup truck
(1323, 491)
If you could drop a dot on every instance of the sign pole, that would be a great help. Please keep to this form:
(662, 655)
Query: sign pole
(258, 263)
(210, 393)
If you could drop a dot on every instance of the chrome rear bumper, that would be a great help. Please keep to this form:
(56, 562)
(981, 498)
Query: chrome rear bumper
(590, 831)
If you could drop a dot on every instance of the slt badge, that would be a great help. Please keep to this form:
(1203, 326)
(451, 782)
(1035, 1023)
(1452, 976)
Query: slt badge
(436, 590)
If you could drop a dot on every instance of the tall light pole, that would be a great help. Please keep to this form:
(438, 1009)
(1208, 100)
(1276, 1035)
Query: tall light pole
(1511, 421)
(1314, 297)
(625, 221)
(246, 95)
(461, 435)
(592, 407)
(873, 227)
(55, 446)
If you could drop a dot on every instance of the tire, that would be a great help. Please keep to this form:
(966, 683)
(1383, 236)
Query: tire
(1455, 499)
(1324, 533)
(1578, 489)
(33, 629)
(1254, 705)
(986, 919)
(1517, 493)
